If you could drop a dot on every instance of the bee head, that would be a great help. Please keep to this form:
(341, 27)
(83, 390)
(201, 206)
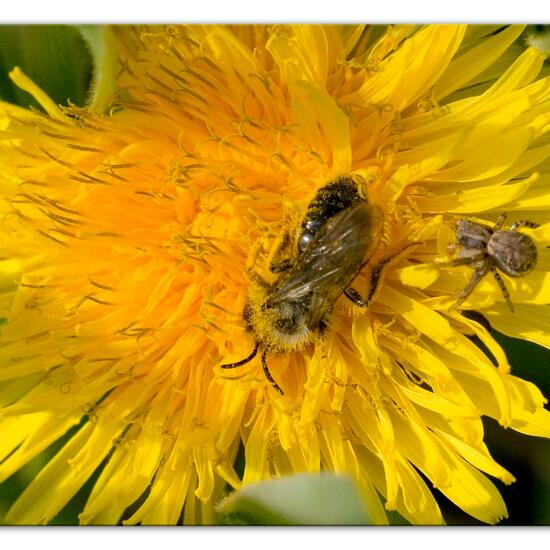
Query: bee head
(282, 325)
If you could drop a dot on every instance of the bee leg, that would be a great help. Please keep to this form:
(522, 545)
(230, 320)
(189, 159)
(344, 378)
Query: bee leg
(380, 267)
(355, 297)
(500, 222)
(503, 289)
(280, 266)
(375, 278)
(279, 263)
(523, 223)
(242, 361)
(474, 281)
(268, 374)
(259, 280)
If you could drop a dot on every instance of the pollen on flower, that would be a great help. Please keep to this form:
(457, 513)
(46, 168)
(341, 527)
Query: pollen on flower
(133, 246)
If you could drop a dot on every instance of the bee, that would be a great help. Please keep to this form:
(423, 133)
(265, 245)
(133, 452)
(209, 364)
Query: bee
(338, 236)
(490, 249)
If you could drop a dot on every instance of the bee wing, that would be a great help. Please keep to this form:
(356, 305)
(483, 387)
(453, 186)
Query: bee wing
(333, 259)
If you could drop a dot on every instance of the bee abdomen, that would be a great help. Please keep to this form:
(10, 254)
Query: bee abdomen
(340, 194)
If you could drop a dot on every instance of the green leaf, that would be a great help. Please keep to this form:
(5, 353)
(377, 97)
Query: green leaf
(302, 499)
(105, 61)
(54, 56)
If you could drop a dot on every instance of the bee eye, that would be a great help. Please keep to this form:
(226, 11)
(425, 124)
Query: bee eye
(305, 240)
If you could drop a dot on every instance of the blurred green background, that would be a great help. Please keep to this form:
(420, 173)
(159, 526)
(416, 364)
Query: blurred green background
(54, 56)
(57, 59)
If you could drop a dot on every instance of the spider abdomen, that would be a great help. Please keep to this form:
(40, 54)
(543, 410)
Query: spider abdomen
(514, 253)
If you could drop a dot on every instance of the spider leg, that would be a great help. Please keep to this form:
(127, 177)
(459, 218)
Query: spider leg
(473, 282)
(523, 223)
(503, 288)
(500, 222)
(242, 361)
(463, 260)
(268, 374)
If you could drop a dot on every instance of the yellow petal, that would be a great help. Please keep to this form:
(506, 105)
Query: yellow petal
(425, 55)
(474, 61)
(474, 493)
(321, 119)
(24, 442)
(50, 490)
(116, 489)
(529, 322)
(418, 276)
(479, 458)
(523, 71)
(25, 83)
(163, 507)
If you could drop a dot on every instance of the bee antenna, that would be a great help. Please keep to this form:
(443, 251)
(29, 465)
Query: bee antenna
(243, 361)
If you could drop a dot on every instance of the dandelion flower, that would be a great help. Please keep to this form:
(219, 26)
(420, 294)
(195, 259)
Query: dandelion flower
(129, 239)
